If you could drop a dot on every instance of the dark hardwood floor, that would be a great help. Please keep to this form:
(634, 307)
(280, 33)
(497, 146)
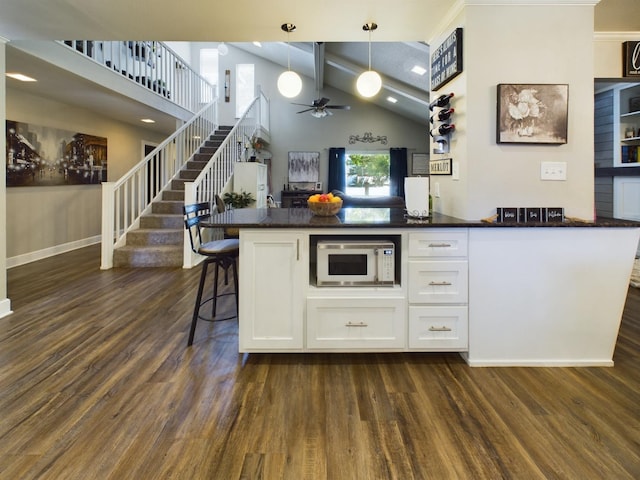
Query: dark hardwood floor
(96, 382)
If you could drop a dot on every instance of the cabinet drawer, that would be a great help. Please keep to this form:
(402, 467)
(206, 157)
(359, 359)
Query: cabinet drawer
(450, 243)
(438, 282)
(438, 328)
(355, 323)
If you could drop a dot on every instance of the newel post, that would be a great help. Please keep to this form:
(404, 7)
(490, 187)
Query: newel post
(108, 227)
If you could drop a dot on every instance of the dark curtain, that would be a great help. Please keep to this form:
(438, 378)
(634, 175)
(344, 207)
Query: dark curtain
(337, 169)
(397, 171)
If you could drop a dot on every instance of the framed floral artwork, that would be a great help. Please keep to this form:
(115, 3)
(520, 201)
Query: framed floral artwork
(532, 113)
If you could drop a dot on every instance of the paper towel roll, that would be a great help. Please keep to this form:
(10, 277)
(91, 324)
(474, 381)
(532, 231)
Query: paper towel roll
(416, 193)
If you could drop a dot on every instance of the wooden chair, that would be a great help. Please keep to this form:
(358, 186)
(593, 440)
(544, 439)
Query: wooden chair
(221, 253)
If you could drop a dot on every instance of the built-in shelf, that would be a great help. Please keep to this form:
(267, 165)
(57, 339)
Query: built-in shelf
(630, 114)
(630, 139)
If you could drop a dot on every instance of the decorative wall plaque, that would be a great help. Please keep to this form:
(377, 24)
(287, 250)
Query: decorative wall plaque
(631, 59)
(446, 60)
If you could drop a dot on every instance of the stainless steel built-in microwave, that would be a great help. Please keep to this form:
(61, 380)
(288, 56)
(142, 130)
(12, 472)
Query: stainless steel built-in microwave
(355, 262)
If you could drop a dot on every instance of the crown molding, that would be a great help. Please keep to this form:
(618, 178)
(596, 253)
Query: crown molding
(615, 36)
(520, 3)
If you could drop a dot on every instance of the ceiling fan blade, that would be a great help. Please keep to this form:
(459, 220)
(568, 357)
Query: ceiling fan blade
(306, 110)
(301, 104)
(321, 102)
(339, 107)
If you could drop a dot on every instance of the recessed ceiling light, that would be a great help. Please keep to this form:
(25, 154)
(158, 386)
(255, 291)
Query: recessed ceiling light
(419, 70)
(148, 120)
(392, 99)
(21, 77)
(257, 44)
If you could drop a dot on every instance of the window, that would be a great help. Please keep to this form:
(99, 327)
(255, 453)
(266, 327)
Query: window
(245, 89)
(209, 68)
(367, 174)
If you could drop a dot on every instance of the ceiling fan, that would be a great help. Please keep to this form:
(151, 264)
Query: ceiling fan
(320, 108)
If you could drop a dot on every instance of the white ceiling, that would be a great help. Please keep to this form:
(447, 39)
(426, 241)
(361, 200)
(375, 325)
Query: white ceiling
(402, 24)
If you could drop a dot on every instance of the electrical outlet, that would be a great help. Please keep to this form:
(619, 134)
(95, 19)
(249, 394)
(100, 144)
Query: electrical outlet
(553, 170)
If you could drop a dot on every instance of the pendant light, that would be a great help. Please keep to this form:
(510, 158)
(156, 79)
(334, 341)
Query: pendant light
(289, 82)
(369, 83)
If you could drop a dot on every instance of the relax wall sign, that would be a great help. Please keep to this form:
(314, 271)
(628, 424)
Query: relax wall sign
(631, 59)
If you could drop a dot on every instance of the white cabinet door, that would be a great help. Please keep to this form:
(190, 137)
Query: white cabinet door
(251, 177)
(438, 328)
(274, 275)
(353, 323)
(438, 282)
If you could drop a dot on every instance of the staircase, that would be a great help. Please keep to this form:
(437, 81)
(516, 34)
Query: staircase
(158, 242)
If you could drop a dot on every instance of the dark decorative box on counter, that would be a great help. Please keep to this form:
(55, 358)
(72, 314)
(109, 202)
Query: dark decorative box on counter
(529, 215)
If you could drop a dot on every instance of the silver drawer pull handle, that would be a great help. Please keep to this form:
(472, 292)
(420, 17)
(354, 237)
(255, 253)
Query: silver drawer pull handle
(361, 324)
(440, 245)
(439, 329)
(440, 284)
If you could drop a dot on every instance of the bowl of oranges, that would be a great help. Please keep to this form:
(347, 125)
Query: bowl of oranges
(324, 204)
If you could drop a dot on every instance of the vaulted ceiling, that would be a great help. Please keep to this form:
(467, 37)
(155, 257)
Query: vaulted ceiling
(329, 44)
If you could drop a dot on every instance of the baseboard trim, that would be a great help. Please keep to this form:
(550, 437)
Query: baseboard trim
(51, 251)
(5, 307)
(540, 363)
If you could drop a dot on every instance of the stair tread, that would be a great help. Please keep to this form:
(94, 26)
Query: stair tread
(150, 247)
(146, 230)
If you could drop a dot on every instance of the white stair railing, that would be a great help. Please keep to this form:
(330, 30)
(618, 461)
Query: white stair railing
(151, 64)
(124, 201)
(214, 177)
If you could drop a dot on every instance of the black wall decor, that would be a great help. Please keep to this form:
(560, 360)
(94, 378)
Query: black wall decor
(631, 59)
(446, 60)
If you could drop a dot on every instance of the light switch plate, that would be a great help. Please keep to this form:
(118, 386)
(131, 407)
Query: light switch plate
(553, 171)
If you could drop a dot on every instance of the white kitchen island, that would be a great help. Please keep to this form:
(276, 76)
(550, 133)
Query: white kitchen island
(543, 295)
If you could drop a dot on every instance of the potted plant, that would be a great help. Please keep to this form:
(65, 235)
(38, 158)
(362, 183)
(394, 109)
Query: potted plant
(238, 200)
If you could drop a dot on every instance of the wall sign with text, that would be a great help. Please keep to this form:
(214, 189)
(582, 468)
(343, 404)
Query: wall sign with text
(631, 59)
(446, 60)
(442, 166)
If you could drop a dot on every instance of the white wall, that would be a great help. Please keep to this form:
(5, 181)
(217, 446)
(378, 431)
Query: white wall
(291, 131)
(43, 219)
(5, 303)
(499, 47)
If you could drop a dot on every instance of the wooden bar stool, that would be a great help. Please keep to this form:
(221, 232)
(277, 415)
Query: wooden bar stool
(221, 253)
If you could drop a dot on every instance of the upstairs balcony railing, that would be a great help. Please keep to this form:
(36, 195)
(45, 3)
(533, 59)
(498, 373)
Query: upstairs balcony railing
(152, 65)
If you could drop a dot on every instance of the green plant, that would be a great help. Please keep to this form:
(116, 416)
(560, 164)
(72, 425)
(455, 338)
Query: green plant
(238, 200)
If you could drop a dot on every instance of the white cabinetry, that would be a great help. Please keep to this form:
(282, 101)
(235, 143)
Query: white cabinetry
(438, 290)
(627, 121)
(356, 323)
(251, 177)
(274, 273)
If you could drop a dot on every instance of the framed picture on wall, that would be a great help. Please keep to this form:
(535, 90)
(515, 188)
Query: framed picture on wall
(532, 113)
(304, 167)
(39, 156)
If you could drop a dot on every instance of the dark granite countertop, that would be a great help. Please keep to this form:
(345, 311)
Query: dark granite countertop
(373, 218)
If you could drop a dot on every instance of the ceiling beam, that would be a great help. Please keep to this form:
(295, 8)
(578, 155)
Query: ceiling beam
(391, 85)
(318, 65)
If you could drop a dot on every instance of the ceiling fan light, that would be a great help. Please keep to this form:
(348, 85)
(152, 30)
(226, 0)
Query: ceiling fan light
(222, 49)
(289, 84)
(369, 83)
